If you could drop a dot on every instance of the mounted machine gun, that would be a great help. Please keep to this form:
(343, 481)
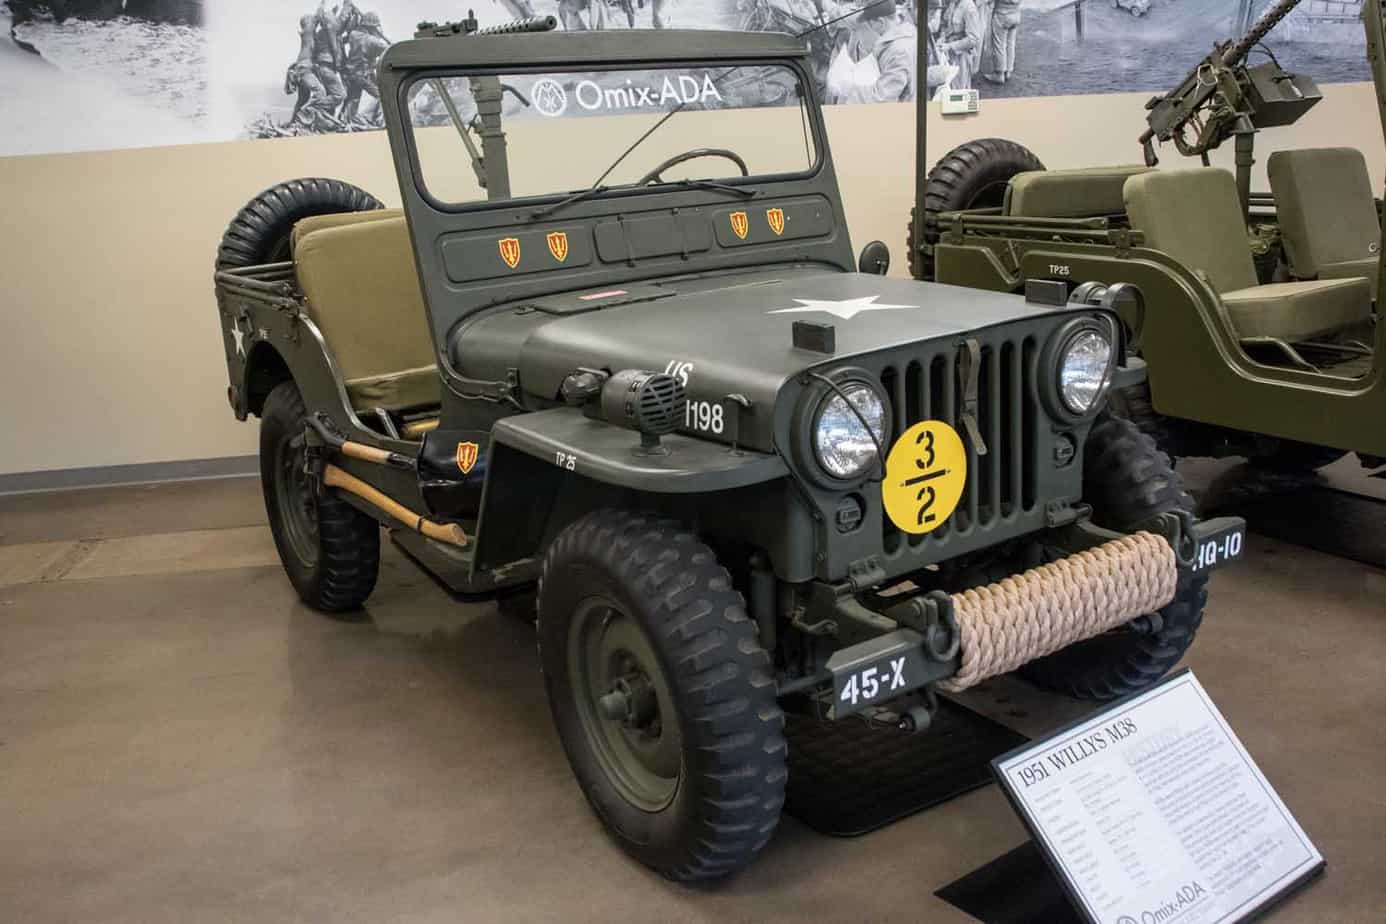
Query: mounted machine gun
(489, 163)
(1223, 97)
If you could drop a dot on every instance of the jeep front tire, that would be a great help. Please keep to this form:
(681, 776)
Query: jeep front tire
(1128, 481)
(662, 695)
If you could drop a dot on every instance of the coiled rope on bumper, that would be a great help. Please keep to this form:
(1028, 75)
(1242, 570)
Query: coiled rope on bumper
(1033, 614)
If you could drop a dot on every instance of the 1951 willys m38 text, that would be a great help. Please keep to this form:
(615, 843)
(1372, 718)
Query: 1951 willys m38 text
(746, 476)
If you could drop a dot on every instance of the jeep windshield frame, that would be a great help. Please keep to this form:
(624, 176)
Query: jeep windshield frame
(463, 55)
(806, 120)
(458, 250)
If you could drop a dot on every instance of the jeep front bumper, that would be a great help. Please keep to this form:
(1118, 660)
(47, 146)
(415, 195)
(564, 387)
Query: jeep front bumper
(955, 641)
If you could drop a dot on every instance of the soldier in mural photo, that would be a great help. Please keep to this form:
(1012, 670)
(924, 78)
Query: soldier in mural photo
(1003, 34)
(580, 15)
(300, 79)
(876, 64)
(941, 73)
(326, 29)
(338, 55)
(959, 40)
(365, 44)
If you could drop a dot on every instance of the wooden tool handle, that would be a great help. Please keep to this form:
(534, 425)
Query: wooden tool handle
(450, 533)
(366, 453)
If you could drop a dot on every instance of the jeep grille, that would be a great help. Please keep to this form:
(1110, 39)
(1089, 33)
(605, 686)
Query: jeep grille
(1000, 496)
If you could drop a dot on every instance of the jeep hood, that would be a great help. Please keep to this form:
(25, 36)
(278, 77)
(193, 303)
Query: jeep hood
(735, 334)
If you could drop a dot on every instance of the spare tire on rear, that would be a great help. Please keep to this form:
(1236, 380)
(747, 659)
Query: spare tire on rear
(260, 232)
(971, 176)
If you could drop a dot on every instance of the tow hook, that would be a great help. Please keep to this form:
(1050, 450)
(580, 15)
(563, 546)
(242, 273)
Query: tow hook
(931, 615)
(1186, 549)
(1177, 528)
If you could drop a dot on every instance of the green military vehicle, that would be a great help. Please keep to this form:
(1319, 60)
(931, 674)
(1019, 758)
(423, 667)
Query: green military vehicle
(1258, 310)
(746, 476)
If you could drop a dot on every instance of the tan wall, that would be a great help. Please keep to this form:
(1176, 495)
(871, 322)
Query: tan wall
(111, 353)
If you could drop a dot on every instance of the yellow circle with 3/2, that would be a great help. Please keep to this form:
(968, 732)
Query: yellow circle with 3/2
(926, 472)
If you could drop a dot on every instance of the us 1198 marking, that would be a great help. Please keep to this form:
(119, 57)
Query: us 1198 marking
(705, 416)
(866, 685)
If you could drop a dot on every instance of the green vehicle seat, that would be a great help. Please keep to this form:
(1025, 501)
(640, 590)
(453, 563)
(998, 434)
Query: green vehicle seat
(1090, 192)
(1196, 217)
(357, 273)
(1327, 213)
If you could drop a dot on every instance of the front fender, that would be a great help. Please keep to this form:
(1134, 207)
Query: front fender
(548, 468)
(612, 455)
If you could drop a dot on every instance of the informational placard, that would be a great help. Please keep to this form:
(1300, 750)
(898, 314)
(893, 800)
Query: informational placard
(1152, 812)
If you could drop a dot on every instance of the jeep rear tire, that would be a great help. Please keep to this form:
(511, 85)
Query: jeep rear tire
(260, 232)
(1127, 480)
(329, 549)
(971, 176)
(662, 696)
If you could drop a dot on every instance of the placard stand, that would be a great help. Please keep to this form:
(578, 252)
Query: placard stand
(1017, 887)
(1149, 810)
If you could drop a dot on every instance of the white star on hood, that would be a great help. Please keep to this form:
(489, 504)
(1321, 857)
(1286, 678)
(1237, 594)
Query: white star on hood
(846, 309)
(239, 336)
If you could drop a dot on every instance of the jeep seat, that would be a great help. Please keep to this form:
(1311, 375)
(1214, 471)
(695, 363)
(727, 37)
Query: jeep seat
(1327, 213)
(363, 293)
(305, 226)
(1195, 216)
(1091, 192)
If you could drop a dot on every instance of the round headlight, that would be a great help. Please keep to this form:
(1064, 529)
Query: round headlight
(843, 446)
(1084, 368)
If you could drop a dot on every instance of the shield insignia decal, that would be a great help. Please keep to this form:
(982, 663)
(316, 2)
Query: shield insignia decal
(558, 245)
(509, 250)
(740, 224)
(466, 456)
(776, 219)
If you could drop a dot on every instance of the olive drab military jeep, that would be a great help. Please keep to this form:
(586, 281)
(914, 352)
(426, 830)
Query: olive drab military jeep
(1258, 310)
(745, 476)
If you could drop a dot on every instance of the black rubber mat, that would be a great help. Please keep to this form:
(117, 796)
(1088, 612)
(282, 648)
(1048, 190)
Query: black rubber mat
(1321, 518)
(848, 778)
(1015, 888)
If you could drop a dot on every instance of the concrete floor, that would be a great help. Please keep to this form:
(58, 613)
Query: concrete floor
(180, 740)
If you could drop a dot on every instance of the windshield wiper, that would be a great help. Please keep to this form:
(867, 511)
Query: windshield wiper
(745, 192)
(564, 203)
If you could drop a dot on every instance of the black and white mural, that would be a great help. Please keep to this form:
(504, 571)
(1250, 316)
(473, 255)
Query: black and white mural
(96, 74)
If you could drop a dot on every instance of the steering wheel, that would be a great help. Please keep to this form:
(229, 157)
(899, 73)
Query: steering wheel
(656, 175)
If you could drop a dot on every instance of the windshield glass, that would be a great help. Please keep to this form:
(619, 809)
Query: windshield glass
(565, 130)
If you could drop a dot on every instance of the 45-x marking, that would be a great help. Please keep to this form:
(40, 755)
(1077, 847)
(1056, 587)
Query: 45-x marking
(872, 682)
